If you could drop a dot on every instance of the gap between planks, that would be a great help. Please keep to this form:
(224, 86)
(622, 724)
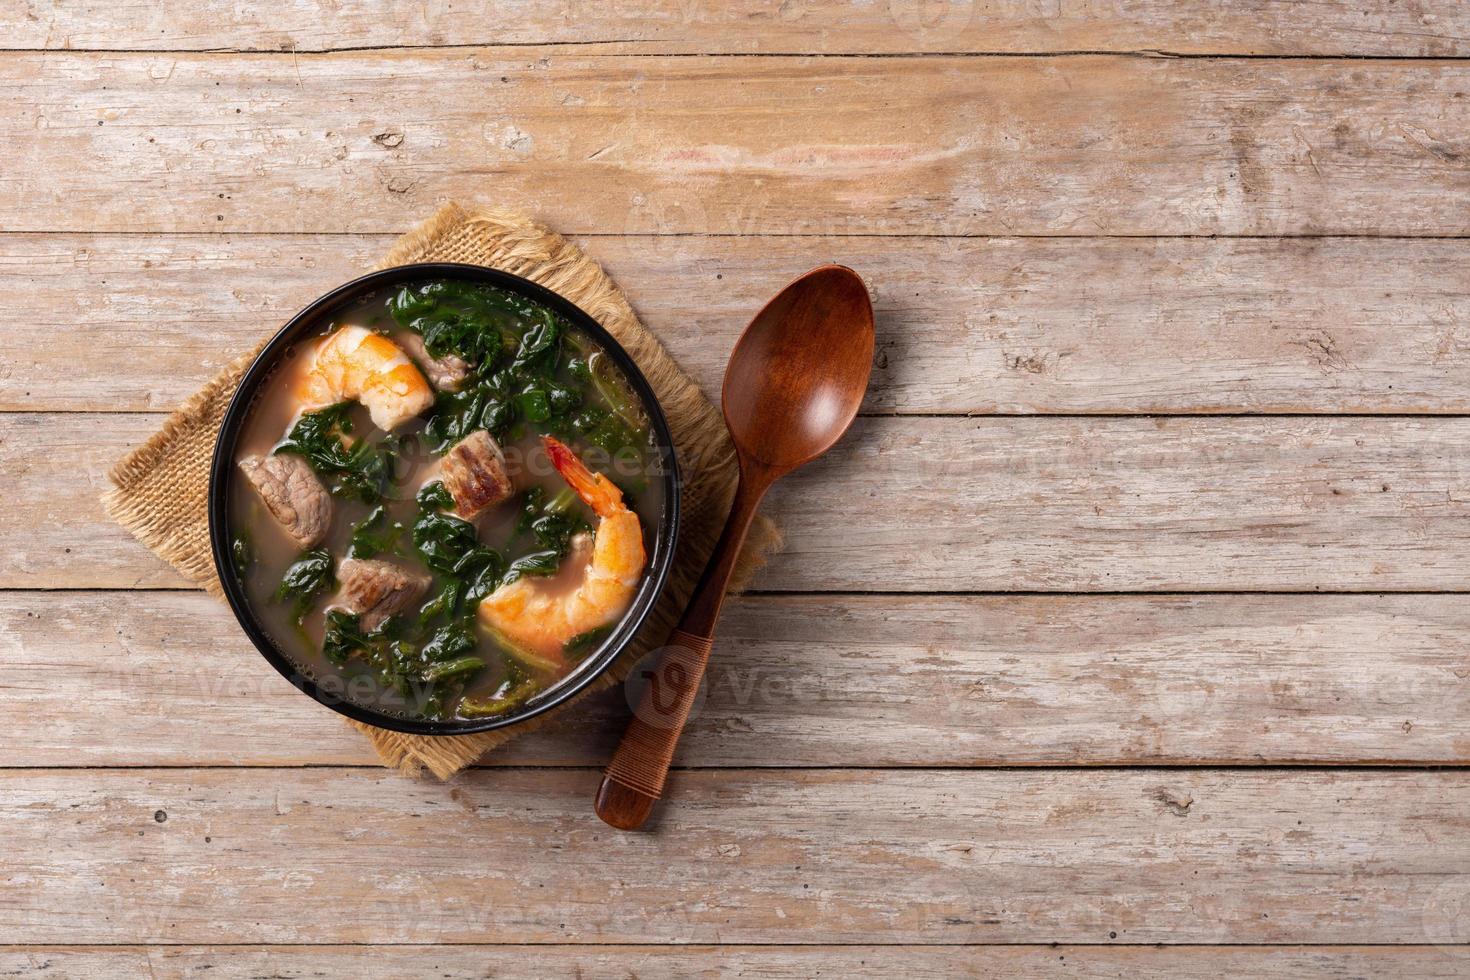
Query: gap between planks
(587, 49)
(771, 960)
(896, 237)
(1149, 28)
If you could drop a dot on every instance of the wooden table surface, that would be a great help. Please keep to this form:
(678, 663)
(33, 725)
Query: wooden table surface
(1124, 635)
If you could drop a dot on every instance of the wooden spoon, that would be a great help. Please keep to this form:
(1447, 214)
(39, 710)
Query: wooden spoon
(792, 387)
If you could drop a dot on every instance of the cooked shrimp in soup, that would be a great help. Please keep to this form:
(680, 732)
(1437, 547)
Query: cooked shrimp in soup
(542, 616)
(355, 364)
(444, 501)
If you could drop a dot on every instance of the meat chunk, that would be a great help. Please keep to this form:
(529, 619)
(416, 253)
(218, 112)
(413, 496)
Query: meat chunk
(292, 493)
(446, 373)
(474, 474)
(376, 590)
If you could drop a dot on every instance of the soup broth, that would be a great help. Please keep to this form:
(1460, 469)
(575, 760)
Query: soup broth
(461, 559)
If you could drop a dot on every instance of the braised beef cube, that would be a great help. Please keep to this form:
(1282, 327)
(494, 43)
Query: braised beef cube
(292, 493)
(376, 589)
(474, 474)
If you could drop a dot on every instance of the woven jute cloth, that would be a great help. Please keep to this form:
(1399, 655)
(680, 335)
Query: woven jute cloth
(160, 489)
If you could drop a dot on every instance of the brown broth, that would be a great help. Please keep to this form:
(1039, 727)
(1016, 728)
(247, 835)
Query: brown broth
(271, 416)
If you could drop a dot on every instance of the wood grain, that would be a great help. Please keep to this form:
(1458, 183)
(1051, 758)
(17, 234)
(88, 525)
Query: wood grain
(1036, 221)
(977, 326)
(1438, 28)
(954, 504)
(166, 678)
(370, 141)
(272, 856)
(758, 963)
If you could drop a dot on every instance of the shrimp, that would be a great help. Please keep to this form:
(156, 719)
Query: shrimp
(533, 614)
(355, 363)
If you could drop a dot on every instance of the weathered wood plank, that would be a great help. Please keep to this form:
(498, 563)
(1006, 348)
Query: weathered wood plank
(166, 678)
(924, 504)
(1067, 505)
(832, 856)
(1008, 325)
(758, 963)
(1336, 27)
(56, 534)
(369, 141)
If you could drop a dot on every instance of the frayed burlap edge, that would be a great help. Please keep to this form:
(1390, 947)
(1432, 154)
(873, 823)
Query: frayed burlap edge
(160, 489)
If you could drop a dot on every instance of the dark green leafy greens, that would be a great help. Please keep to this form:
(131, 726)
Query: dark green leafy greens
(359, 471)
(450, 546)
(307, 579)
(374, 535)
(584, 643)
(550, 525)
(456, 415)
(241, 554)
(529, 366)
(510, 696)
(450, 641)
(343, 636)
(428, 657)
(477, 323)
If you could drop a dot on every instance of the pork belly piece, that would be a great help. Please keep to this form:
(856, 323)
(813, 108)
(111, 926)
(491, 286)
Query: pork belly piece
(375, 590)
(292, 493)
(446, 373)
(474, 474)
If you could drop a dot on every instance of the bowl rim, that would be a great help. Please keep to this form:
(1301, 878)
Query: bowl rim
(222, 467)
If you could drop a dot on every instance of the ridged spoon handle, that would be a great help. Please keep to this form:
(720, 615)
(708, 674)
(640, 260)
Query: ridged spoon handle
(635, 777)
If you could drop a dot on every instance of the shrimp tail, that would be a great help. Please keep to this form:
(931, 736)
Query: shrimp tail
(600, 493)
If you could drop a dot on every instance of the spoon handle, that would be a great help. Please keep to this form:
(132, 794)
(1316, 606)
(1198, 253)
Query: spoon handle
(634, 780)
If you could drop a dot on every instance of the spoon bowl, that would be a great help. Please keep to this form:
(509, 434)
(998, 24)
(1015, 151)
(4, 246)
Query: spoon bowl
(793, 386)
(798, 373)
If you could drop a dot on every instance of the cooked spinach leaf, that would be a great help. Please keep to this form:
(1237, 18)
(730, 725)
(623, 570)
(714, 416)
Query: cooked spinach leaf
(538, 343)
(483, 571)
(359, 471)
(476, 322)
(536, 563)
(584, 643)
(461, 667)
(241, 554)
(551, 523)
(534, 404)
(450, 641)
(431, 674)
(443, 539)
(446, 602)
(509, 697)
(529, 366)
(343, 636)
(374, 535)
(306, 579)
(434, 495)
(457, 415)
(606, 430)
(450, 546)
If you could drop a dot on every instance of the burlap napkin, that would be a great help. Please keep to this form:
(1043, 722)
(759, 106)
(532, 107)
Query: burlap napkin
(160, 488)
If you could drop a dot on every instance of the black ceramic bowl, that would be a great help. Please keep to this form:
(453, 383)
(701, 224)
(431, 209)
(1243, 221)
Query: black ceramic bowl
(310, 322)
